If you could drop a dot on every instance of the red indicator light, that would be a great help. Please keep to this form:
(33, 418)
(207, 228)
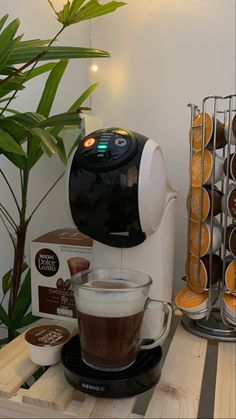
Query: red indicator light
(89, 142)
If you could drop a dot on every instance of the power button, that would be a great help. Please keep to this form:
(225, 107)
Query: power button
(120, 142)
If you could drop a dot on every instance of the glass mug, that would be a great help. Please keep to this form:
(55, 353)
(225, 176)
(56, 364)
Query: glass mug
(110, 306)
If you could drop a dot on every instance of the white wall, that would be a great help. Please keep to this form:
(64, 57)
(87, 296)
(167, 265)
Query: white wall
(38, 21)
(165, 54)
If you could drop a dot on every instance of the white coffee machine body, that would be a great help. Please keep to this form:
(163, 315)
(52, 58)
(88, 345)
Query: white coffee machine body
(147, 245)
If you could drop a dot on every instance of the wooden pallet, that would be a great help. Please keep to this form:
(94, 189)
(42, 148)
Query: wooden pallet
(177, 394)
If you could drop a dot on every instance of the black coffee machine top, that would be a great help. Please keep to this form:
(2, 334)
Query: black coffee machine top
(107, 149)
(103, 187)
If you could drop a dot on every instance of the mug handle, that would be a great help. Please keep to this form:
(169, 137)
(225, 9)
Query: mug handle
(167, 308)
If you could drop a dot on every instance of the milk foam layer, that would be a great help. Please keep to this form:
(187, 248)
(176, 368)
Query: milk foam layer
(115, 303)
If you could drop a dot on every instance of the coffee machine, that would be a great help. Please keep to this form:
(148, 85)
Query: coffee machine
(118, 193)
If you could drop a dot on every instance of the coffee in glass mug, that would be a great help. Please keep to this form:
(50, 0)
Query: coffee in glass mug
(110, 307)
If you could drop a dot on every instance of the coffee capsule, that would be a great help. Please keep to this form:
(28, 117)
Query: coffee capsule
(207, 175)
(205, 238)
(45, 343)
(230, 308)
(232, 135)
(193, 304)
(196, 133)
(199, 285)
(231, 239)
(230, 201)
(194, 209)
(230, 275)
(232, 166)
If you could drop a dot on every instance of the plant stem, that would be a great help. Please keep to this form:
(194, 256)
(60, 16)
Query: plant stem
(8, 217)
(17, 267)
(9, 233)
(20, 240)
(10, 188)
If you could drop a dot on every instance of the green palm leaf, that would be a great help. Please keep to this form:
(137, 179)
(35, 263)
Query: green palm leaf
(48, 142)
(94, 9)
(14, 128)
(27, 119)
(75, 11)
(61, 150)
(2, 21)
(7, 41)
(37, 71)
(51, 87)
(33, 43)
(22, 55)
(69, 118)
(7, 143)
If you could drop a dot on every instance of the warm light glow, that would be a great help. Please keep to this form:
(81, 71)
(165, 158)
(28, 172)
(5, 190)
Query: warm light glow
(89, 142)
(94, 68)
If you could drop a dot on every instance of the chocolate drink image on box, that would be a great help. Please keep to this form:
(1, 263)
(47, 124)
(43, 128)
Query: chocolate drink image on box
(77, 264)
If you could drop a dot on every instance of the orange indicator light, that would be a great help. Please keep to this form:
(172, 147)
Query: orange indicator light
(89, 142)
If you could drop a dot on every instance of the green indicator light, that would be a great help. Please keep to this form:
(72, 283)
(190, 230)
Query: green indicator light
(102, 146)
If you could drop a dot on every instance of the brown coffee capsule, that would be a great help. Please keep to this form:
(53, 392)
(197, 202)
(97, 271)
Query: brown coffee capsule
(199, 285)
(220, 136)
(234, 126)
(232, 166)
(48, 335)
(230, 274)
(231, 239)
(196, 133)
(205, 232)
(231, 201)
(217, 199)
(194, 210)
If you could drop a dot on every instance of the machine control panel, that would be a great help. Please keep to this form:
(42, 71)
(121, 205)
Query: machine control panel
(106, 149)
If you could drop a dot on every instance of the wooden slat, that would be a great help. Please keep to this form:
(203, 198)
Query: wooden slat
(92, 407)
(14, 374)
(15, 409)
(113, 408)
(225, 394)
(178, 391)
(51, 391)
(11, 350)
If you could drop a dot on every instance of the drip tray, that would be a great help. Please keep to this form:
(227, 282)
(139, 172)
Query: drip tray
(143, 374)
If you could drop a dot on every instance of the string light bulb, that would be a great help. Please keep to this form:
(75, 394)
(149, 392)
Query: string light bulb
(94, 68)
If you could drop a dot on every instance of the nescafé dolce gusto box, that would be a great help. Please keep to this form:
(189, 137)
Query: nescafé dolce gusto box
(55, 257)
